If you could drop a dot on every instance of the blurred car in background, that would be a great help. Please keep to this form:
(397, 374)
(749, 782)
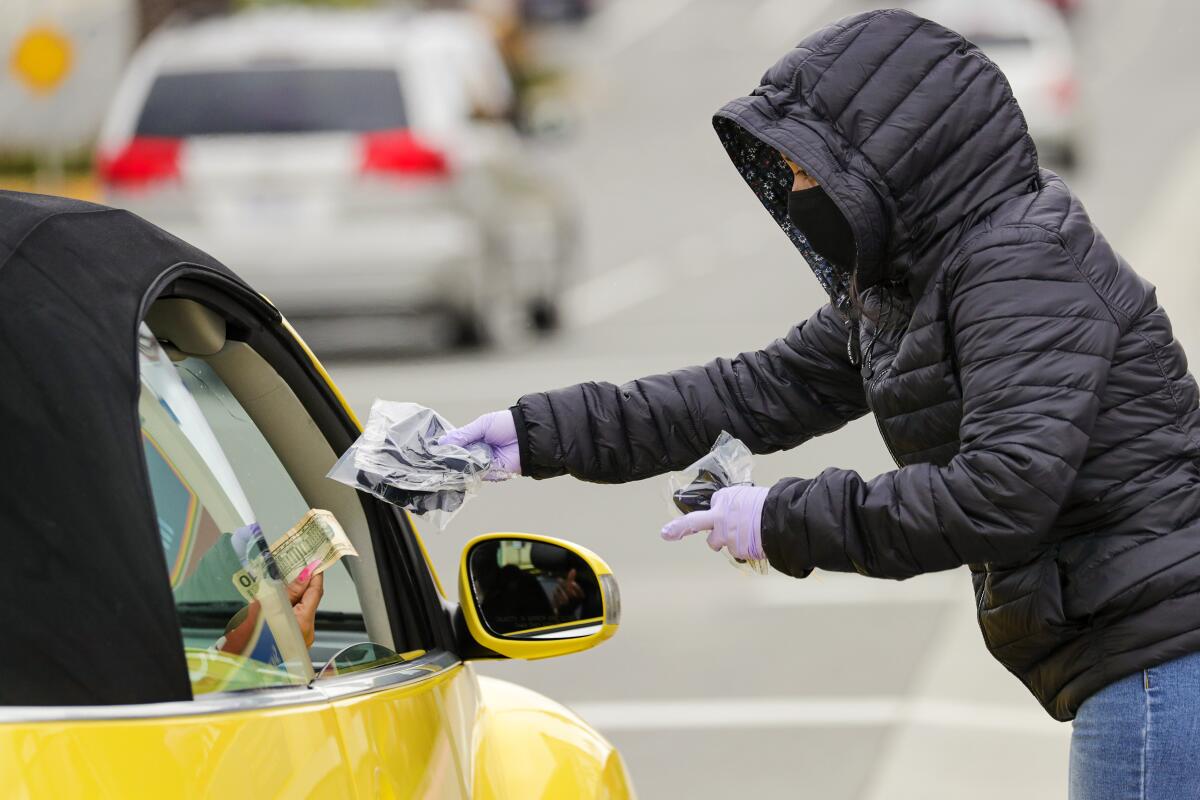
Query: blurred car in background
(538, 11)
(361, 168)
(1030, 42)
(1066, 7)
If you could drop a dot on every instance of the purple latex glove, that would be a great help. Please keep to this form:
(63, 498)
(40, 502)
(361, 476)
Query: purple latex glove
(735, 521)
(498, 430)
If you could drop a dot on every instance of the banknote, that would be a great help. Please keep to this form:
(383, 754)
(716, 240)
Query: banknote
(316, 537)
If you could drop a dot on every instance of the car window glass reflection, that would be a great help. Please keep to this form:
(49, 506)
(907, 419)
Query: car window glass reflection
(534, 589)
(361, 657)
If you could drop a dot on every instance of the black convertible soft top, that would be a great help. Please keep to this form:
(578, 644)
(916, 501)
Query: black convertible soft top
(86, 612)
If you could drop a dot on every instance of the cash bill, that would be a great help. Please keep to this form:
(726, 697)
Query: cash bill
(316, 537)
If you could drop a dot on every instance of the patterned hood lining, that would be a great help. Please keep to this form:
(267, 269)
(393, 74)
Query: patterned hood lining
(770, 178)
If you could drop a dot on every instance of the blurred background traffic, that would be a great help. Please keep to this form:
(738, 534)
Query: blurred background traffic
(460, 202)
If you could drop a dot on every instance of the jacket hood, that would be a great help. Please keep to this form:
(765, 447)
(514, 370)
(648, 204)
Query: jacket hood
(912, 131)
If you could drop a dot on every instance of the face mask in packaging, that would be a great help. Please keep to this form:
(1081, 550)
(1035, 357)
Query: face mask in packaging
(397, 459)
(728, 463)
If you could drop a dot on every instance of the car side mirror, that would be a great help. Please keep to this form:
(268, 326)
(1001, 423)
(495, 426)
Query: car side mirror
(528, 596)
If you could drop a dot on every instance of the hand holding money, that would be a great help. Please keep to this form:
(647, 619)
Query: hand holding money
(317, 537)
(304, 594)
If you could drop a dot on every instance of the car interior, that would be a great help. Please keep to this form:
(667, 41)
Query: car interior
(353, 610)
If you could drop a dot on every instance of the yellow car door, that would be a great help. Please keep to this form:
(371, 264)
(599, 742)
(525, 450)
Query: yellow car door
(401, 731)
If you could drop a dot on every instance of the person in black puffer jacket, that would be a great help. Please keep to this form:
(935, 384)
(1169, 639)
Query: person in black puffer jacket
(1025, 379)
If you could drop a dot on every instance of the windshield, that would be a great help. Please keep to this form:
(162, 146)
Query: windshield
(288, 100)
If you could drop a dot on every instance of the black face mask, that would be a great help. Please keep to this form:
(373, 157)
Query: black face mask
(813, 212)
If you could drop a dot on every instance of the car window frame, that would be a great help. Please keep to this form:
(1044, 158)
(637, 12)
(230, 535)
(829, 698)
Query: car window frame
(418, 615)
(403, 567)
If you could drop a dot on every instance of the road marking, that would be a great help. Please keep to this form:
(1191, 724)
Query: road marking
(642, 279)
(612, 292)
(809, 712)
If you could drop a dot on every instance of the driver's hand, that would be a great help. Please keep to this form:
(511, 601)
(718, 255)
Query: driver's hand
(305, 594)
(567, 590)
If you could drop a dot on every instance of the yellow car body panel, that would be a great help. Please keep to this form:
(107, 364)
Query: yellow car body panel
(289, 752)
(454, 736)
(531, 747)
(401, 742)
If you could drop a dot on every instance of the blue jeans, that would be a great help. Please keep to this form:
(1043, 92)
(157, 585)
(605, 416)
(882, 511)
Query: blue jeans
(1139, 738)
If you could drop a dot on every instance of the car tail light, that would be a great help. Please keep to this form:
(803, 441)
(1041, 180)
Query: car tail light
(401, 153)
(1064, 92)
(145, 160)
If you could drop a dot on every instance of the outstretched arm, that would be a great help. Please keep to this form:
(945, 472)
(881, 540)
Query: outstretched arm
(797, 387)
(1034, 342)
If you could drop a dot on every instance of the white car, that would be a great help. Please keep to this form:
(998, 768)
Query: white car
(1031, 44)
(359, 168)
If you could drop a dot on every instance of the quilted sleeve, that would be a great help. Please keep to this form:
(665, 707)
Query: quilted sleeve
(797, 387)
(1033, 342)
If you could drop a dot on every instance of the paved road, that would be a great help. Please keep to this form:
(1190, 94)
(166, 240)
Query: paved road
(834, 687)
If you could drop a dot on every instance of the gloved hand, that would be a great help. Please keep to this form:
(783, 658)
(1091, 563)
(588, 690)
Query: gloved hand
(735, 521)
(498, 430)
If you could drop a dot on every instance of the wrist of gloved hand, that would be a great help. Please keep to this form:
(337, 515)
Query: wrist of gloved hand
(734, 522)
(497, 430)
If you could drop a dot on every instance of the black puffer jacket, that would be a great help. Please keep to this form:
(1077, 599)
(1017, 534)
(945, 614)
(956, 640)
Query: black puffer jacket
(1023, 376)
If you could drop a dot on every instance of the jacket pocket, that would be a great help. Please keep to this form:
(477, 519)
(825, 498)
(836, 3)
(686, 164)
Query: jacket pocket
(1021, 611)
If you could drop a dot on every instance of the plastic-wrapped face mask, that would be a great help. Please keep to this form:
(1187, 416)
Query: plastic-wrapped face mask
(397, 460)
(728, 463)
(697, 495)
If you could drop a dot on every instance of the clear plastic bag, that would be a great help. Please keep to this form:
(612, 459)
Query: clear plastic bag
(728, 463)
(396, 460)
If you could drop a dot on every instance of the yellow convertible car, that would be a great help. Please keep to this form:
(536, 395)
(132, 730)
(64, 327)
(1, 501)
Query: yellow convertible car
(166, 437)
